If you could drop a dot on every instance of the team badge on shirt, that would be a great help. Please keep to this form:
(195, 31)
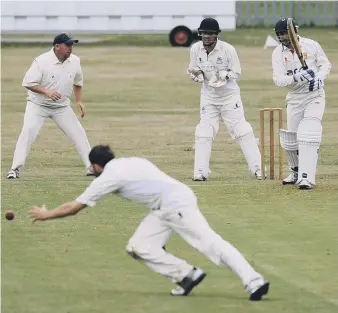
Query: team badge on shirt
(219, 60)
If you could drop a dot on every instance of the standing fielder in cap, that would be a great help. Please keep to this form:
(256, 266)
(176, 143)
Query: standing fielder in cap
(50, 81)
(173, 207)
(215, 64)
(305, 103)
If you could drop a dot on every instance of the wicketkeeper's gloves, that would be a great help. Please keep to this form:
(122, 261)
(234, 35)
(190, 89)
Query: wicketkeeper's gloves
(221, 78)
(195, 74)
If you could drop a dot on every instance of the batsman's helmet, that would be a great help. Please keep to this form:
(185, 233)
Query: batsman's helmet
(281, 26)
(209, 25)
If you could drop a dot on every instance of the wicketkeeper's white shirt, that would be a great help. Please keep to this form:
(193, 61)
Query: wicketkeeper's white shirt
(222, 57)
(48, 72)
(285, 63)
(138, 180)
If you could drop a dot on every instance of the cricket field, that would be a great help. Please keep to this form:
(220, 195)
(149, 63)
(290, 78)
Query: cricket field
(140, 101)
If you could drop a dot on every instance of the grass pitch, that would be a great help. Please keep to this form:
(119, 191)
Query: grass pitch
(141, 102)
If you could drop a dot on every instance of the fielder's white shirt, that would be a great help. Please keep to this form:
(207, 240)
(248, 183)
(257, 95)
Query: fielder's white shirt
(135, 179)
(285, 64)
(222, 57)
(48, 72)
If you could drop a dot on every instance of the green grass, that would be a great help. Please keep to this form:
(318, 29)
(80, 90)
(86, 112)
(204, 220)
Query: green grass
(251, 37)
(141, 102)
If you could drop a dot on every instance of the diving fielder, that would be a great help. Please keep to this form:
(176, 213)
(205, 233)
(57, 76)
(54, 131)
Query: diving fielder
(173, 207)
(215, 64)
(50, 81)
(305, 103)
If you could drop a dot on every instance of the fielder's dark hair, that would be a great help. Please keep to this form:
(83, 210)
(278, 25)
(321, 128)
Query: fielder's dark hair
(101, 155)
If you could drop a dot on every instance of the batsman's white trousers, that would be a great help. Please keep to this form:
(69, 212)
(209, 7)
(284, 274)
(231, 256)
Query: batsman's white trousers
(65, 119)
(179, 213)
(306, 105)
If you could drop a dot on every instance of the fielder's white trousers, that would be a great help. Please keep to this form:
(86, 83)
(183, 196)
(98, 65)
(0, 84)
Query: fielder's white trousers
(65, 119)
(179, 213)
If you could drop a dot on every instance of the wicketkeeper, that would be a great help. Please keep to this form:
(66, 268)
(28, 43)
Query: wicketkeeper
(215, 64)
(305, 103)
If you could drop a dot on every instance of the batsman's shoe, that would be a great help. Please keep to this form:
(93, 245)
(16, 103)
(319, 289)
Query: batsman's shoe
(257, 288)
(199, 178)
(12, 174)
(194, 277)
(292, 178)
(304, 184)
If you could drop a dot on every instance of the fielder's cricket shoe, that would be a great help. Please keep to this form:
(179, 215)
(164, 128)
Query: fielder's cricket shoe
(304, 184)
(257, 288)
(194, 277)
(12, 174)
(292, 178)
(199, 178)
(90, 171)
(258, 174)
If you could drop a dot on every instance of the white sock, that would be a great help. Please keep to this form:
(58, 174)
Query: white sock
(308, 158)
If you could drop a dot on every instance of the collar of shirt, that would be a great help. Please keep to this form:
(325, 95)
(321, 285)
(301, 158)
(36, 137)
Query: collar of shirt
(55, 59)
(216, 48)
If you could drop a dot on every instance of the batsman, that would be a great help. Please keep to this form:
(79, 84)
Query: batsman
(302, 67)
(215, 64)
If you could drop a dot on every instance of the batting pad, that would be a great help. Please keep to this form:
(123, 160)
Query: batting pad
(309, 136)
(310, 130)
(288, 140)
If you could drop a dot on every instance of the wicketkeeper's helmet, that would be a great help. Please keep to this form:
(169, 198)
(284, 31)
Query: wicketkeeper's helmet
(209, 25)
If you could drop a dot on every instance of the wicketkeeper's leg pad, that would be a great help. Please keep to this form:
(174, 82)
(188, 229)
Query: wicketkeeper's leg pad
(241, 130)
(243, 133)
(204, 135)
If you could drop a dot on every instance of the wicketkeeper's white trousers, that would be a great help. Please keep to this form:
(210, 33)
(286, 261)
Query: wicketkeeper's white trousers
(179, 213)
(65, 119)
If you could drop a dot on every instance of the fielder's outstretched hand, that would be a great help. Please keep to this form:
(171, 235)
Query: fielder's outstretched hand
(38, 213)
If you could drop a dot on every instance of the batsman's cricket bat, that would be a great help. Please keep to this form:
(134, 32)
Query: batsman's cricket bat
(295, 43)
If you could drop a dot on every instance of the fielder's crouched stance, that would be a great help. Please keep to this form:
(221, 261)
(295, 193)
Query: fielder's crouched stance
(215, 64)
(305, 103)
(173, 207)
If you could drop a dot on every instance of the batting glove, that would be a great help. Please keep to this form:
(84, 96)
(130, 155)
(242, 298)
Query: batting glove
(316, 83)
(195, 74)
(304, 75)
